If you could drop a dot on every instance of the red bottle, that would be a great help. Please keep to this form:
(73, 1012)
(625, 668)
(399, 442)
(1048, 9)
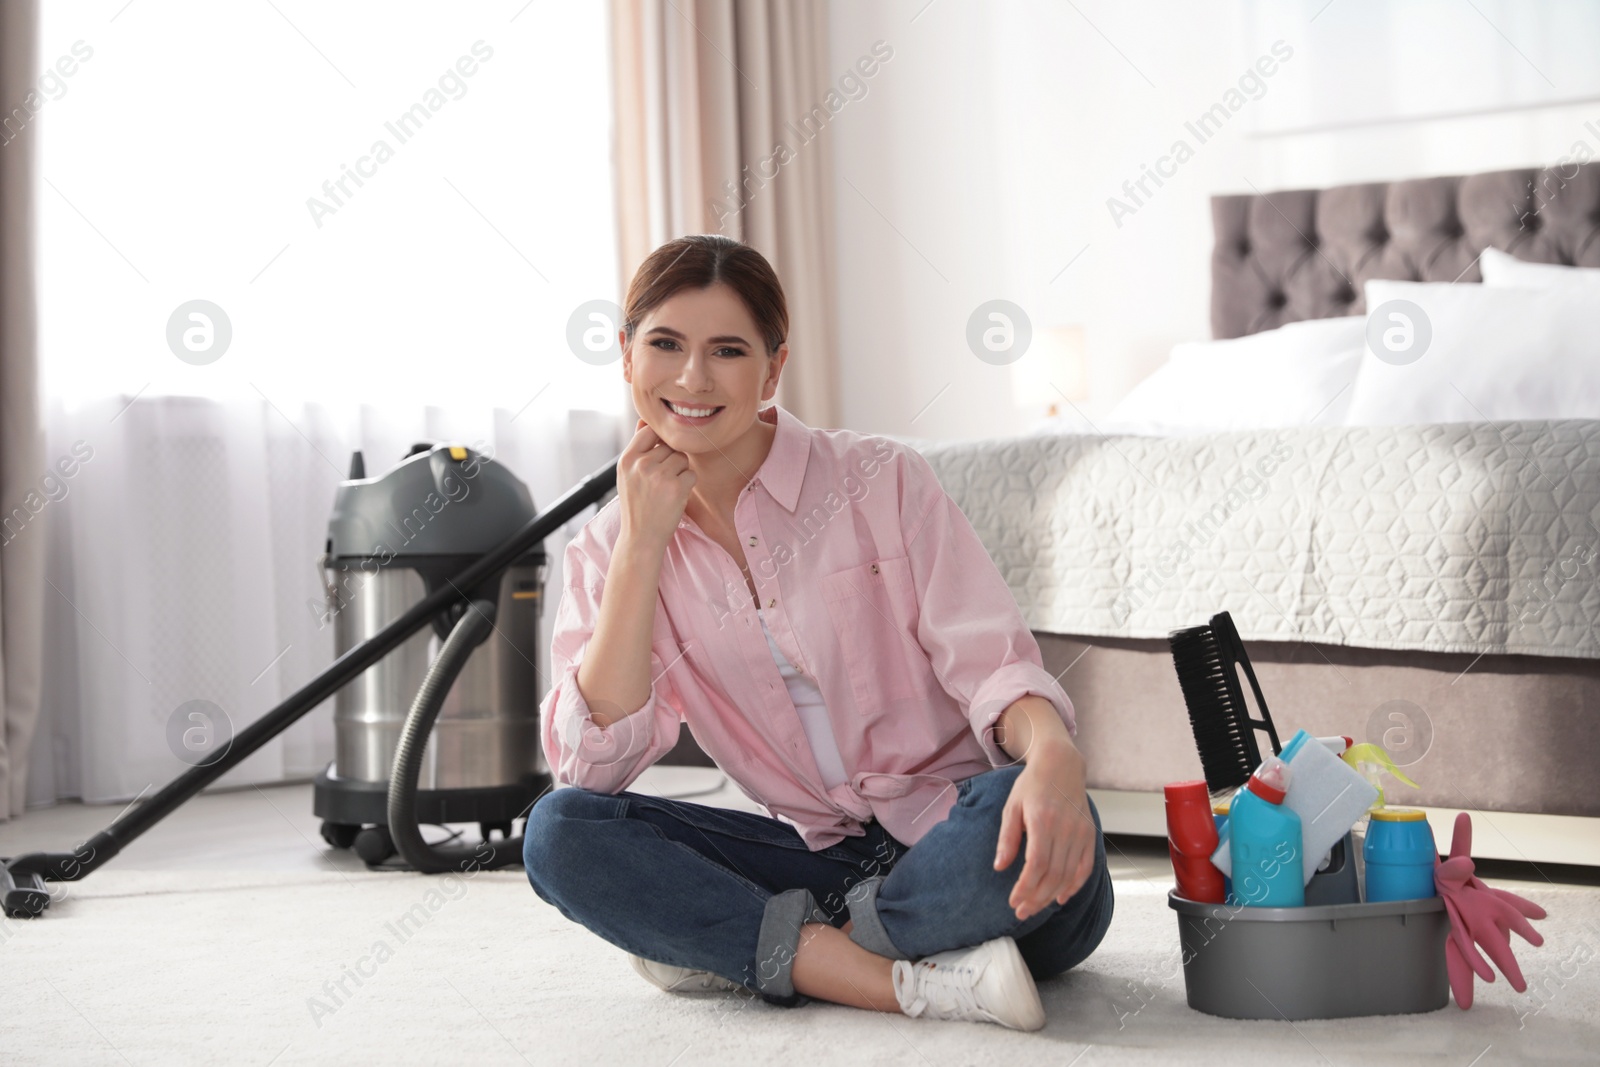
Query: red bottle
(1191, 839)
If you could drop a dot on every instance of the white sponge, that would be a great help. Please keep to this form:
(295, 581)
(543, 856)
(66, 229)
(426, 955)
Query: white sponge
(1327, 793)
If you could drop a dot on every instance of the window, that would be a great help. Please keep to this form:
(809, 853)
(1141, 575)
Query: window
(396, 203)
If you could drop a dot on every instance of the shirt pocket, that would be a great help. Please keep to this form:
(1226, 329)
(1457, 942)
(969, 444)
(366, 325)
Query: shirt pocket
(873, 606)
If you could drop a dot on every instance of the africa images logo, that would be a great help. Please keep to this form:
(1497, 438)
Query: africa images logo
(404, 127)
(1252, 85)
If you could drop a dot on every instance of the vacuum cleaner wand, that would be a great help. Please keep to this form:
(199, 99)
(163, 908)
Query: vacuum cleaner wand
(27, 870)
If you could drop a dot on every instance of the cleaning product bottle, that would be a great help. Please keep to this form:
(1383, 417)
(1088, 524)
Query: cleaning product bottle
(1265, 841)
(1219, 814)
(1372, 761)
(1191, 838)
(1399, 854)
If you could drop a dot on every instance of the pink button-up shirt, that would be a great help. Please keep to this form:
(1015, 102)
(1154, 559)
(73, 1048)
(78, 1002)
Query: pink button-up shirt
(872, 582)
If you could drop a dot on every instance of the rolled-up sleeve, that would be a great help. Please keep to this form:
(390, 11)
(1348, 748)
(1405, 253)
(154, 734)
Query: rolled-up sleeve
(968, 621)
(579, 751)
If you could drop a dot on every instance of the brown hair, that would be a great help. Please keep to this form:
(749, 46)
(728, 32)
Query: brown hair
(700, 260)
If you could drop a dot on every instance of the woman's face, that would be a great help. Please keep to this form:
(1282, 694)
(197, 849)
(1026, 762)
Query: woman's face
(700, 349)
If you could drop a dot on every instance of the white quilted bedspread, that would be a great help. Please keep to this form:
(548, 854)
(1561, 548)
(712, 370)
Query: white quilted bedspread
(1461, 537)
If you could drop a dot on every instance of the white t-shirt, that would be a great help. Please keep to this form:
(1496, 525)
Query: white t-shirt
(813, 713)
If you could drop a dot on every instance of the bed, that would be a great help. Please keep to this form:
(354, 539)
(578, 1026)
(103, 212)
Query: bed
(1431, 586)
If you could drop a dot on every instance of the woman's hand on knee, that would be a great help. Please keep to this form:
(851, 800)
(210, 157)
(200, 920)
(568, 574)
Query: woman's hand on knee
(1049, 802)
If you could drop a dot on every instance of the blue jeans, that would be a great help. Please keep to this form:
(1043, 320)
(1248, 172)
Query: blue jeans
(726, 891)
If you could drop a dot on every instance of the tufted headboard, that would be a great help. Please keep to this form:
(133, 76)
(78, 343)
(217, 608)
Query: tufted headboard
(1283, 257)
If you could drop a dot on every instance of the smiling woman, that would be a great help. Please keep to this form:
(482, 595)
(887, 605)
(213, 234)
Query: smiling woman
(885, 701)
(703, 346)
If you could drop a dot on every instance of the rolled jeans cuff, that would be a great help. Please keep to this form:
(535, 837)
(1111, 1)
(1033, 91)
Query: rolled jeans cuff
(779, 942)
(866, 927)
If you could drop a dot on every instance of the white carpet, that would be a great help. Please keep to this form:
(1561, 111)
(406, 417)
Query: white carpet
(173, 967)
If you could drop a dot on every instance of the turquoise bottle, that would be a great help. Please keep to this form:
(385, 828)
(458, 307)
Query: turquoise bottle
(1265, 849)
(1400, 853)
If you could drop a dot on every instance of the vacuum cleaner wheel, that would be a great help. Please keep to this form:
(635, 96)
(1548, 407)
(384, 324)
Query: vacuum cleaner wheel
(374, 845)
(339, 834)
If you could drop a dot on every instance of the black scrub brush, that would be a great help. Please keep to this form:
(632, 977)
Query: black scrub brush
(1208, 659)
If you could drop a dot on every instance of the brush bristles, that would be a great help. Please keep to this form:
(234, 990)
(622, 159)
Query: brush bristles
(1216, 707)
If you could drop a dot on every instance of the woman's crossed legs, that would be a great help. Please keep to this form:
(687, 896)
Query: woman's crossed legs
(740, 895)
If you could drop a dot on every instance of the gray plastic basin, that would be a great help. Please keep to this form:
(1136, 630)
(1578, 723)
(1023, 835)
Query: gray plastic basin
(1327, 962)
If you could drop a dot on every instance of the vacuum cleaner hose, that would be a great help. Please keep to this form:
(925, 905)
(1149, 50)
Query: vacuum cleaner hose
(475, 624)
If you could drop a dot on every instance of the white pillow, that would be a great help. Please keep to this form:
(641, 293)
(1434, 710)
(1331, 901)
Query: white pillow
(1296, 375)
(1502, 268)
(1461, 352)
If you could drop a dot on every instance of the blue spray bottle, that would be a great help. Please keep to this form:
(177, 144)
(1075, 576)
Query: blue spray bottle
(1268, 869)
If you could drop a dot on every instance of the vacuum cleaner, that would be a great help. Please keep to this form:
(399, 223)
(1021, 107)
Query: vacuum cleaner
(391, 541)
(443, 547)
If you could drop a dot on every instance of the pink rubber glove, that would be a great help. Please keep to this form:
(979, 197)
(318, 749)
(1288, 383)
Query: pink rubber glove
(1482, 914)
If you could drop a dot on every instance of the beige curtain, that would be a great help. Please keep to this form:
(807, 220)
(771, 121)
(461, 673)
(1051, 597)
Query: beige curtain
(22, 464)
(722, 127)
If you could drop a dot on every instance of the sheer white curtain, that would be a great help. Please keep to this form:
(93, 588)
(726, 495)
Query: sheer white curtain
(391, 210)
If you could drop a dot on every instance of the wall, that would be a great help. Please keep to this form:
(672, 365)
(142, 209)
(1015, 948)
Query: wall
(980, 161)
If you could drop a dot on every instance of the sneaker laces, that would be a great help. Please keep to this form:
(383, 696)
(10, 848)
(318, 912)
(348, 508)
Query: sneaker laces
(948, 988)
(692, 981)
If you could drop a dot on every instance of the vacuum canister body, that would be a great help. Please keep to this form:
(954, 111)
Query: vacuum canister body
(392, 541)
(488, 732)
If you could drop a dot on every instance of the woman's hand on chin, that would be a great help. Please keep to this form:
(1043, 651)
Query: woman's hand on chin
(653, 485)
(1049, 802)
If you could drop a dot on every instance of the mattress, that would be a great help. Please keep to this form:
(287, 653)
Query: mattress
(1465, 537)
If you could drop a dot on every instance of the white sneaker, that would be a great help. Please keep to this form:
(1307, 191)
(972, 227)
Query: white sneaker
(985, 983)
(681, 979)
